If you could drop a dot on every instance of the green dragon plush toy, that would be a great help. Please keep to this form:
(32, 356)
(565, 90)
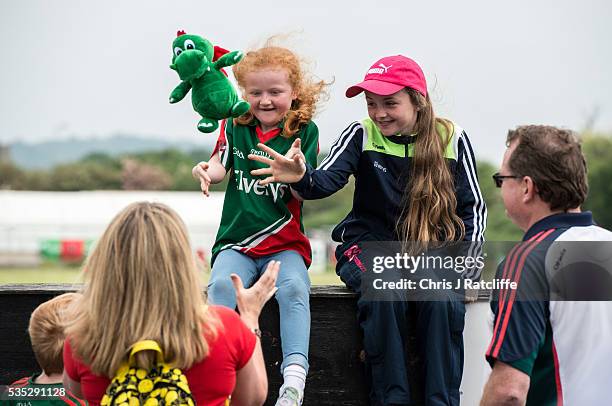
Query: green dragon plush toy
(213, 95)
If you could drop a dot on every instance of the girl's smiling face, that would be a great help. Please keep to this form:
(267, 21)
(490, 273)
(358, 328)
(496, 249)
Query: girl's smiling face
(393, 114)
(270, 94)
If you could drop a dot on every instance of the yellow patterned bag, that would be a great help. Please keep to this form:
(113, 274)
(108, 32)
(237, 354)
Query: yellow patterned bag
(161, 385)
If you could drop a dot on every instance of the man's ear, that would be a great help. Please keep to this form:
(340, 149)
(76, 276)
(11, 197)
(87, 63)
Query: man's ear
(529, 189)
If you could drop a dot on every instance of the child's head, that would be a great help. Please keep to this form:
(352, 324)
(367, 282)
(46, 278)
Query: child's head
(277, 87)
(389, 75)
(46, 331)
(399, 104)
(141, 283)
(396, 95)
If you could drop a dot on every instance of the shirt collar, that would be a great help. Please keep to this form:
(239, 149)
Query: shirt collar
(402, 139)
(267, 136)
(560, 220)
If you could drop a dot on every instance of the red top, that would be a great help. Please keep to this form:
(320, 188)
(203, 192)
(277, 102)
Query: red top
(211, 380)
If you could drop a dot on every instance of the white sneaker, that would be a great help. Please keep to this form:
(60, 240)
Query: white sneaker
(289, 396)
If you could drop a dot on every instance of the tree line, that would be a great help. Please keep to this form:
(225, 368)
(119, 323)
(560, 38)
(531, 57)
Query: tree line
(168, 169)
(171, 170)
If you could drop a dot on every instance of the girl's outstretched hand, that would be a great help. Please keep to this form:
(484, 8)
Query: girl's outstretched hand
(286, 169)
(200, 172)
(251, 301)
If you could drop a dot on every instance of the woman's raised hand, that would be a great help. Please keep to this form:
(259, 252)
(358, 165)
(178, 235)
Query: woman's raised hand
(289, 168)
(251, 301)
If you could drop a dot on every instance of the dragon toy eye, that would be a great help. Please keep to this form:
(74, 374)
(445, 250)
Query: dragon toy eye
(177, 51)
(189, 44)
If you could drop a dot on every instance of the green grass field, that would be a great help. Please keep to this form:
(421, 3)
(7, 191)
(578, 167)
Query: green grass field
(69, 274)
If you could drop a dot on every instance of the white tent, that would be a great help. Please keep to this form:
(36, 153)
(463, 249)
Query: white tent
(27, 218)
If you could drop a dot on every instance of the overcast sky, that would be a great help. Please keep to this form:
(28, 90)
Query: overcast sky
(84, 68)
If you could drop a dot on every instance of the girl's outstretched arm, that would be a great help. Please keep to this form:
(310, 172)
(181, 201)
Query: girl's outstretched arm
(209, 172)
(288, 168)
(331, 175)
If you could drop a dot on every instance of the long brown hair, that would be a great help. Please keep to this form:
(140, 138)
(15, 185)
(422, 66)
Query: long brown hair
(141, 283)
(308, 90)
(429, 206)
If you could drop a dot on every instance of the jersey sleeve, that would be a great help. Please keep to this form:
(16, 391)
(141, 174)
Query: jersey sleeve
(521, 314)
(525, 364)
(224, 145)
(334, 171)
(310, 143)
(471, 206)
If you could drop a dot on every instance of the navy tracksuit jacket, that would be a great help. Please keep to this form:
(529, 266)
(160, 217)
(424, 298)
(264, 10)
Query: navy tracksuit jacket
(381, 166)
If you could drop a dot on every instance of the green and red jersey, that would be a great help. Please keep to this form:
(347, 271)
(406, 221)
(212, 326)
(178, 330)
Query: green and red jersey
(260, 220)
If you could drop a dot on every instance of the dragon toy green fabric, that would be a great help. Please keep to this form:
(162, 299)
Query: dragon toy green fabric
(213, 95)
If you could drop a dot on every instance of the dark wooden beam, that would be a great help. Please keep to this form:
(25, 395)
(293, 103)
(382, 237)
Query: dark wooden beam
(336, 369)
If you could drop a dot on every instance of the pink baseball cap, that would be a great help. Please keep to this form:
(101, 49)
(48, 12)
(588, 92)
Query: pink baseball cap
(390, 75)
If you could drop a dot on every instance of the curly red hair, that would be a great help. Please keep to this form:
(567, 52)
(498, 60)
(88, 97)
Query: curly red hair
(308, 90)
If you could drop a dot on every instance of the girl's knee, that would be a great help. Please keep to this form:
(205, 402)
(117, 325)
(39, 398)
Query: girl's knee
(293, 290)
(444, 312)
(221, 292)
(437, 308)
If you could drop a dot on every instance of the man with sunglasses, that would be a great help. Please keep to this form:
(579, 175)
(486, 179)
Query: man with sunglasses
(549, 347)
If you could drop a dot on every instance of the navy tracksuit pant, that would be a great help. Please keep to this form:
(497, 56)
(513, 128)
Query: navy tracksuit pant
(439, 331)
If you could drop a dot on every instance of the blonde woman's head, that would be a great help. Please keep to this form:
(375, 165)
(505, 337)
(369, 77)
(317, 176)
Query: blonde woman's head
(141, 283)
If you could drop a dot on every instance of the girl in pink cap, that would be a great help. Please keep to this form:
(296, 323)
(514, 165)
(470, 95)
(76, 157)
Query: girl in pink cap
(415, 181)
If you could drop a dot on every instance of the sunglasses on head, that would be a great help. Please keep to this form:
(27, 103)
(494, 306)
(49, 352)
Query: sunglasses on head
(499, 179)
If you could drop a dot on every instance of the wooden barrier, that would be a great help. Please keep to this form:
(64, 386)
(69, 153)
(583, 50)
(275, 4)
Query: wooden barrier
(336, 373)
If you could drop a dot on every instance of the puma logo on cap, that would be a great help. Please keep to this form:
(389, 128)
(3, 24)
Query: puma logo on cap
(381, 70)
